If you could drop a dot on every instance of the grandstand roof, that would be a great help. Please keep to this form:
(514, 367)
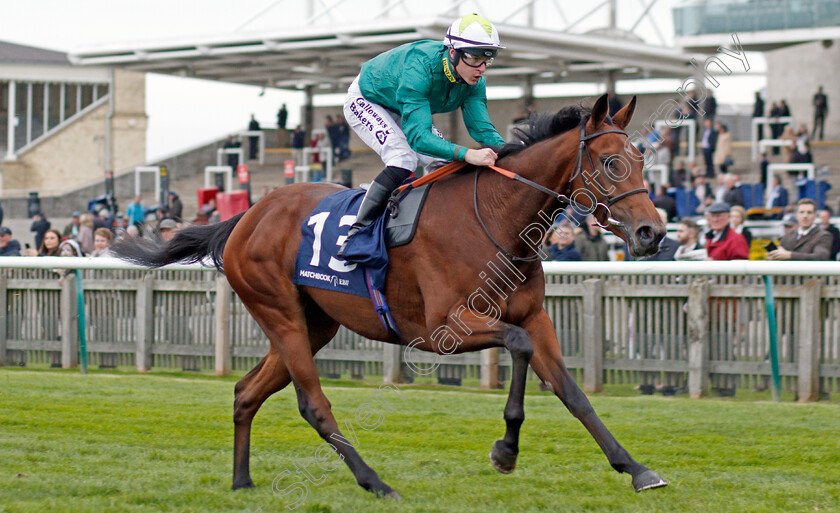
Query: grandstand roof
(328, 58)
(11, 53)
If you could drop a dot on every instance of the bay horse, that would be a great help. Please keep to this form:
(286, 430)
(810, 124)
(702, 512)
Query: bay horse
(431, 279)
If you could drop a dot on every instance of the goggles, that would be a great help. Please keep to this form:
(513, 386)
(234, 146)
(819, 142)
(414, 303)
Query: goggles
(475, 60)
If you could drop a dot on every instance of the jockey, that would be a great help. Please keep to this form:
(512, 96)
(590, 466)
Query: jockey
(390, 106)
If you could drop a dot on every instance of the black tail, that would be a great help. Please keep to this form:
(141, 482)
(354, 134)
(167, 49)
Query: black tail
(191, 244)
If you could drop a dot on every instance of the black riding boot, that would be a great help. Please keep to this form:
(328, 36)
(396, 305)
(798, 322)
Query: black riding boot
(376, 198)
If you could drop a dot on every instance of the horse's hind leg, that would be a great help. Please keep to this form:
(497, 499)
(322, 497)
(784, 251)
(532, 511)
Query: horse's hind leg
(268, 377)
(547, 362)
(288, 331)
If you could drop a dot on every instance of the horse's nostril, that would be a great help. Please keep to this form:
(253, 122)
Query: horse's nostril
(645, 235)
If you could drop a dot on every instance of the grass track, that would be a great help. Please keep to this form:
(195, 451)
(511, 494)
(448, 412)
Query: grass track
(149, 443)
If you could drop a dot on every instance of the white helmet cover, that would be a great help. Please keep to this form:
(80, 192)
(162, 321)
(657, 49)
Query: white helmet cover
(472, 31)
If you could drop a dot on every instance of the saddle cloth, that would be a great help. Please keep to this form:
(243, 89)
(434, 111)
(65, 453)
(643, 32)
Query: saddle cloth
(325, 229)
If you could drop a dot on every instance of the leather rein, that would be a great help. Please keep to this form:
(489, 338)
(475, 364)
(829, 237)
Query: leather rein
(563, 199)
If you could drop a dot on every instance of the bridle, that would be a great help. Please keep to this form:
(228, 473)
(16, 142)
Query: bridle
(563, 199)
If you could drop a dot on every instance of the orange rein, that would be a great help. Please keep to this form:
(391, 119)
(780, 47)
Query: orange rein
(447, 170)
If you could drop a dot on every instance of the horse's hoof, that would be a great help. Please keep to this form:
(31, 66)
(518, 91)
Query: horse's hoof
(244, 484)
(504, 461)
(648, 480)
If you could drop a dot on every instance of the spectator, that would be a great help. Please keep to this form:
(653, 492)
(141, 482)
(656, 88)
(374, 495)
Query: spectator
(788, 135)
(807, 242)
(737, 216)
(282, 116)
(231, 143)
(85, 238)
(334, 135)
(209, 207)
(40, 225)
(820, 111)
(802, 149)
(723, 152)
(176, 208)
(560, 243)
(49, 245)
(667, 246)
(253, 140)
(102, 239)
(763, 164)
(758, 112)
(733, 194)
(708, 144)
(590, 242)
(344, 137)
(1, 214)
(71, 231)
(710, 106)
(8, 245)
(68, 248)
(789, 223)
(298, 143)
(102, 219)
(663, 148)
(135, 212)
(677, 176)
(688, 234)
(825, 224)
(703, 192)
(665, 202)
(777, 197)
(614, 103)
(263, 192)
(776, 127)
(723, 243)
(168, 229)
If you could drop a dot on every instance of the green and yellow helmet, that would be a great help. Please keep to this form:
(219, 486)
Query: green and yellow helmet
(473, 33)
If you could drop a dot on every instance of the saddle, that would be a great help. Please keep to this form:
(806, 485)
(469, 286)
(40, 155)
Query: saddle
(403, 214)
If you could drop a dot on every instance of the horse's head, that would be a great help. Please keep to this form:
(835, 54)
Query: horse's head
(608, 181)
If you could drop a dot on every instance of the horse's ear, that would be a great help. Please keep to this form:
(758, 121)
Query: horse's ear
(622, 118)
(599, 113)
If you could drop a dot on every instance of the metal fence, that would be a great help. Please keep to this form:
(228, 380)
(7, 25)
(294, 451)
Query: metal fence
(691, 325)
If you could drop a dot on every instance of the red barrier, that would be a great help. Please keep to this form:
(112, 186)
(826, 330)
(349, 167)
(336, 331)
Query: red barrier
(205, 195)
(228, 204)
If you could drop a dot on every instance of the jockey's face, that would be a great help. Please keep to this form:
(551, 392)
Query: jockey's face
(470, 75)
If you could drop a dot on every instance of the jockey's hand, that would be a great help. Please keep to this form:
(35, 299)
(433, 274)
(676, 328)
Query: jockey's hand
(482, 157)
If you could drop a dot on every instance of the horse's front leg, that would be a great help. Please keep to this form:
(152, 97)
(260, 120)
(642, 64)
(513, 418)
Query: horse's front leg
(473, 334)
(547, 362)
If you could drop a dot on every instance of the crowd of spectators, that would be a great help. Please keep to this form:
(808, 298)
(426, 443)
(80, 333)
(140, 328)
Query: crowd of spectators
(708, 199)
(91, 233)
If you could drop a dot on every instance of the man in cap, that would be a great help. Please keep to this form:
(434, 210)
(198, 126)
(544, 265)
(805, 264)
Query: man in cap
(723, 243)
(8, 246)
(71, 231)
(808, 241)
(168, 228)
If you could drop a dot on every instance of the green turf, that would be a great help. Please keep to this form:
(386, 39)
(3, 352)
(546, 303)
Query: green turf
(128, 442)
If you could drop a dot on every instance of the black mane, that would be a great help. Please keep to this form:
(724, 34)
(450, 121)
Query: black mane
(545, 126)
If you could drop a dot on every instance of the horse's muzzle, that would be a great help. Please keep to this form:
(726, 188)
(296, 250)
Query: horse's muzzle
(645, 240)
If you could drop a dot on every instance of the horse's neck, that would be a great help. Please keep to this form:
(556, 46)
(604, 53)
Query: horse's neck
(512, 206)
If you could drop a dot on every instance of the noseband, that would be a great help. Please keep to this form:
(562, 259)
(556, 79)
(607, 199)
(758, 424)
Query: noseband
(610, 201)
(564, 200)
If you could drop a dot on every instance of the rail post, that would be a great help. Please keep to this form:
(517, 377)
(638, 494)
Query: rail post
(698, 338)
(145, 322)
(69, 323)
(490, 368)
(593, 335)
(808, 343)
(223, 355)
(3, 316)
